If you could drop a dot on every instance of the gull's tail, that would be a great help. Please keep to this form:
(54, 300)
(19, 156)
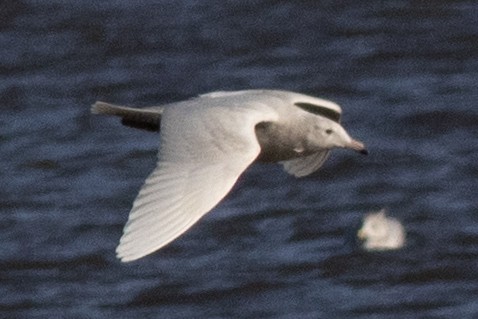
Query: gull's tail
(145, 118)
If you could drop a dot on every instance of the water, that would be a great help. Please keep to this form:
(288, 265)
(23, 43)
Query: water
(405, 74)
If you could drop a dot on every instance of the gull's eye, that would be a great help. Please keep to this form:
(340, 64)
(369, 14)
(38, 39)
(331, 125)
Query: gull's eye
(328, 131)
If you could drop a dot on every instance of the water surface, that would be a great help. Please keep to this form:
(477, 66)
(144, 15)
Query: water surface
(405, 74)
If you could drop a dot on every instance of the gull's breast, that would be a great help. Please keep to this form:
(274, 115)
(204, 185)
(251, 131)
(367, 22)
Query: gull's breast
(278, 143)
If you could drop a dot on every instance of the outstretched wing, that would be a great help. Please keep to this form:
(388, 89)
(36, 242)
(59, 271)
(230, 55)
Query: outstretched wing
(202, 153)
(303, 166)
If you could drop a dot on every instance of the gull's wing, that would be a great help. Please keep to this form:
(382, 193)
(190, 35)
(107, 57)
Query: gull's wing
(143, 118)
(203, 151)
(303, 166)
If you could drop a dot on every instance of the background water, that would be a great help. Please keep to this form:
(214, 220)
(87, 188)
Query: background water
(405, 73)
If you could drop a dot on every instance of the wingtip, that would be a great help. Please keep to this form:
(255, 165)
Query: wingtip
(125, 260)
(124, 257)
(126, 253)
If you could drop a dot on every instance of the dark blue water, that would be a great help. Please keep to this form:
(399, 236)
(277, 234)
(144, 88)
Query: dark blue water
(405, 73)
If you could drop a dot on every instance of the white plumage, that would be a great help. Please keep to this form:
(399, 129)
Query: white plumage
(381, 232)
(205, 145)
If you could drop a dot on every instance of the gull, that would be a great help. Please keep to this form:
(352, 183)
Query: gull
(208, 141)
(381, 232)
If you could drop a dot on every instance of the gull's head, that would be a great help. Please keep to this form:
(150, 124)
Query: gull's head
(334, 135)
(326, 129)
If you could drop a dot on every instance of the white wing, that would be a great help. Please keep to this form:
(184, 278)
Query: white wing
(303, 166)
(203, 151)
